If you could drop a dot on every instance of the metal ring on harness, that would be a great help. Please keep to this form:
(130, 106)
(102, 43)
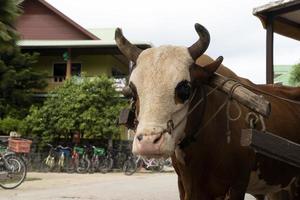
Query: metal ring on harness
(252, 119)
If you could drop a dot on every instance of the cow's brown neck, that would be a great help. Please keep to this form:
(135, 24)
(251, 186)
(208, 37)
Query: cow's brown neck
(192, 134)
(200, 109)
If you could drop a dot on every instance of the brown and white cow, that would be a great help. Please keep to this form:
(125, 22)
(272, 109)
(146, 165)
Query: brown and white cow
(167, 82)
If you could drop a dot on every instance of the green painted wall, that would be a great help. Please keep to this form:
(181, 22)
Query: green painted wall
(91, 65)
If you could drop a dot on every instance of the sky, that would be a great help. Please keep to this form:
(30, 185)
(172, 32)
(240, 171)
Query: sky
(236, 34)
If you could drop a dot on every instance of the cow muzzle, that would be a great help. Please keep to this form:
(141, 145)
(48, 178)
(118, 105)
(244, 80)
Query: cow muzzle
(151, 145)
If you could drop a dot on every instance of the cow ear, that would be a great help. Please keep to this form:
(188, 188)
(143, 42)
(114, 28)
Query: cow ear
(203, 73)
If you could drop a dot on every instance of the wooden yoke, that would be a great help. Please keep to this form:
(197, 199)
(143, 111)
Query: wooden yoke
(241, 94)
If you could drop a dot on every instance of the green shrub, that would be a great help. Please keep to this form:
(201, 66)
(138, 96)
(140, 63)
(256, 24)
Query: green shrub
(295, 75)
(90, 106)
(10, 124)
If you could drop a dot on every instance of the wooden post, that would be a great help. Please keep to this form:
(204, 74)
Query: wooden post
(69, 65)
(270, 49)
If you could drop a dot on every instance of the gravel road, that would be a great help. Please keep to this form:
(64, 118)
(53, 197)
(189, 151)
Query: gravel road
(111, 186)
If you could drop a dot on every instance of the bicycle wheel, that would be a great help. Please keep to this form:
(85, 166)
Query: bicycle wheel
(95, 164)
(26, 159)
(15, 173)
(157, 167)
(83, 165)
(120, 160)
(129, 167)
(106, 165)
(168, 162)
(70, 166)
(48, 164)
(160, 167)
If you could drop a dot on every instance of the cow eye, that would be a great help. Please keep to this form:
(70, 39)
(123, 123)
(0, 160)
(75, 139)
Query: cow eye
(183, 91)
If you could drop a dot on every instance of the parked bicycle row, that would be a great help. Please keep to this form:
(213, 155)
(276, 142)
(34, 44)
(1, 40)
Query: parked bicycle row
(90, 159)
(15, 162)
(78, 159)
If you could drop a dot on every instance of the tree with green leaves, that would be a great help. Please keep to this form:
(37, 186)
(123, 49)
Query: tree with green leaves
(87, 105)
(295, 75)
(17, 78)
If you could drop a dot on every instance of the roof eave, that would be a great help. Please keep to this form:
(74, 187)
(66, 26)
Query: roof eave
(43, 44)
(273, 6)
(275, 12)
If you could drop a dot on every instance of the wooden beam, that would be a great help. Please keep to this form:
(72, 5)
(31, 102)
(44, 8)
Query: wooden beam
(285, 10)
(270, 51)
(288, 22)
(272, 146)
(241, 94)
(69, 65)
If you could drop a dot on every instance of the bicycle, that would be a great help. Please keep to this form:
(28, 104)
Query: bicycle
(168, 162)
(119, 157)
(26, 158)
(130, 165)
(12, 170)
(106, 163)
(63, 158)
(155, 165)
(99, 161)
(133, 163)
(50, 160)
(80, 161)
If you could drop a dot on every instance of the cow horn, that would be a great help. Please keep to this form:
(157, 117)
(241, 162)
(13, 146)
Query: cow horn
(129, 50)
(198, 48)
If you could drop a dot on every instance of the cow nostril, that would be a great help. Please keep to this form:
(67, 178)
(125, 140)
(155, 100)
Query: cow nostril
(139, 137)
(157, 139)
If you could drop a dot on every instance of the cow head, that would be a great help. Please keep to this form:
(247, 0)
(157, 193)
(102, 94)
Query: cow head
(162, 85)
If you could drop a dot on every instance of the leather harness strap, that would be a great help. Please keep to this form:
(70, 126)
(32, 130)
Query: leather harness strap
(188, 139)
(193, 137)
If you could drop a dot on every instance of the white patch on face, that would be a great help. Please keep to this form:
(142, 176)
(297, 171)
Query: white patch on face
(259, 186)
(158, 72)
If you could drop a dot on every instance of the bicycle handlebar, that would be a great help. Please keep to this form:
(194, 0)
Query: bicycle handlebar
(58, 147)
(50, 145)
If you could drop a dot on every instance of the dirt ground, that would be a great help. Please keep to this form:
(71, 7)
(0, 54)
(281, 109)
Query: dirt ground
(111, 186)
